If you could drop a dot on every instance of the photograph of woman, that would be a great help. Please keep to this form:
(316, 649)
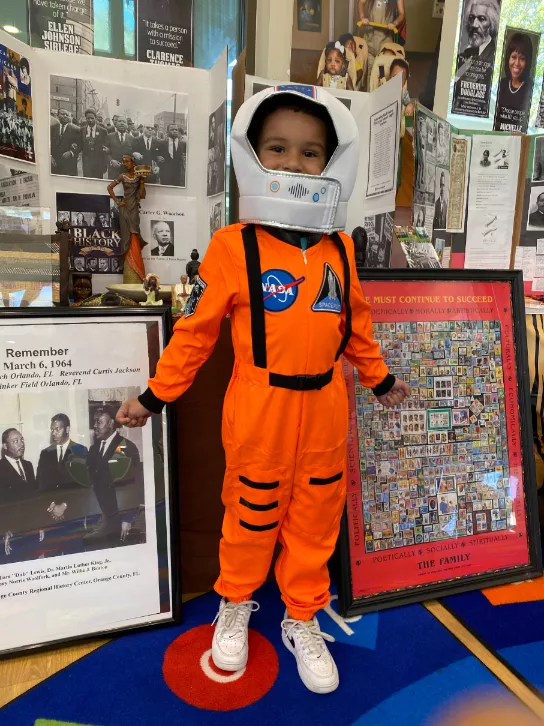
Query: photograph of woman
(516, 86)
(390, 15)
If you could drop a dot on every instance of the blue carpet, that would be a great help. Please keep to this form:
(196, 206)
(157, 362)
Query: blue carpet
(400, 662)
(515, 631)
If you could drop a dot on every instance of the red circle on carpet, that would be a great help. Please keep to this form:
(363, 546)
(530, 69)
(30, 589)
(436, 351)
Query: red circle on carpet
(189, 672)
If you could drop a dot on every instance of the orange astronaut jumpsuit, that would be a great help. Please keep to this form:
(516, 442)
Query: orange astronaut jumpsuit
(285, 414)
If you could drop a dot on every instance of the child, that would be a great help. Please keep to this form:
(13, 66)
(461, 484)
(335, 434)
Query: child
(335, 73)
(348, 41)
(399, 65)
(289, 282)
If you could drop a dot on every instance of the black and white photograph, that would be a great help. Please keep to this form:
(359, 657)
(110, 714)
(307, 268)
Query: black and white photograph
(217, 150)
(538, 159)
(70, 479)
(379, 229)
(216, 207)
(421, 141)
(85, 503)
(420, 255)
(476, 57)
(99, 123)
(419, 215)
(431, 141)
(95, 231)
(16, 125)
(443, 143)
(162, 244)
(535, 221)
(442, 192)
(430, 182)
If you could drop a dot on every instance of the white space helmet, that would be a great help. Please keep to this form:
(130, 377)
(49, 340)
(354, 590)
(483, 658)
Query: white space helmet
(289, 200)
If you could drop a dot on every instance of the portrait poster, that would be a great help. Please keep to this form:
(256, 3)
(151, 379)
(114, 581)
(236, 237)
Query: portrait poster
(95, 123)
(442, 490)
(217, 144)
(64, 26)
(165, 32)
(85, 505)
(515, 91)
(539, 123)
(16, 125)
(476, 59)
(95, 232)
(168, 226)
(309, 16)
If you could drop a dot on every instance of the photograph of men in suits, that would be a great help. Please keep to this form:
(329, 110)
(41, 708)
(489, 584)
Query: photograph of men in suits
(65, 145)
(172, 170)
(148, 150)
(94, 147)
(112, 461)
(163, 234)
(441, 204)
(119, 144)
(17, 479)
(476, 61)
(53, 472)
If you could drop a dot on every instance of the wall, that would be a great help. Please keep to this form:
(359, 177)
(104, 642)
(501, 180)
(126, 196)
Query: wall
(422, 30)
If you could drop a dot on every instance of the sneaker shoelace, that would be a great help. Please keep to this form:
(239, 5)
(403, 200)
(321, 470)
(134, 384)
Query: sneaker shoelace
(235, 616)
(310, 637)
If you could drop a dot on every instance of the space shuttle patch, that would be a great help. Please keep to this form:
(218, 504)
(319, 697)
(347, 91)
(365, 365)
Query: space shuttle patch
(329, 298)
(194, 298)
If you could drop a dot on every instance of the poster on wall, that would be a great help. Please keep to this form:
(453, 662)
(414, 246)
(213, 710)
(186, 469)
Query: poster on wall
(16, 126)
(85, 505)
(309, 16)
(539, 123)
(165, 32)
(94, 124)
(217, 140)
(441, 492)
(169, 228)
(216, 211)
(515, 92)
(65, 26)
(95, 232)
(476, 58)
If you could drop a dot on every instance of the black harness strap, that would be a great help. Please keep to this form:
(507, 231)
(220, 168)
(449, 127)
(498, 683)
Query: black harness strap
(256, 300)
(347, 285)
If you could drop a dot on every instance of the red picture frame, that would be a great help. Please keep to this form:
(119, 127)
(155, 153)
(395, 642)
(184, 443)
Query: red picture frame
(441, 493)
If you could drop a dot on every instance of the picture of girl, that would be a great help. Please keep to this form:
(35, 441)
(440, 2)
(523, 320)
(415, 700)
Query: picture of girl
(390, 15)
(358, 48)
(337, 68)
(516, 87)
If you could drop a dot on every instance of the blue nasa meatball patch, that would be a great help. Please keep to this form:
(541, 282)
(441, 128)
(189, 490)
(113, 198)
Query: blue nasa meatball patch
(280, 290)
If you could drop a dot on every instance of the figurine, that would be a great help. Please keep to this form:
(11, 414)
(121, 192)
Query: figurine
(192, 266)
(82, 287)
(152, 287)
(133, 181)
(180, 293)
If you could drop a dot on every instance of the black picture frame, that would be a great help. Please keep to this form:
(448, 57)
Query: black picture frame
(349, 604)
(168, 529)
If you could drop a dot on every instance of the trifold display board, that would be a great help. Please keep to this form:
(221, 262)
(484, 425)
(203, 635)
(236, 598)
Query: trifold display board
(468, 190)
(73, 159)
(378, 119)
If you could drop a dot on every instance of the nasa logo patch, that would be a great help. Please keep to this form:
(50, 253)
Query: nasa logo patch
(280, 290)
(329, 298)
(194, 298)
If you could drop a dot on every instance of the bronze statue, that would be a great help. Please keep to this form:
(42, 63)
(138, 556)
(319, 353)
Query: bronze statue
(133, 181)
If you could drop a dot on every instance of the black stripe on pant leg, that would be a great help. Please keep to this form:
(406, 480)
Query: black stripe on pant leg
(319, 482)
(258, 484)
(258, 527)
(259, 507)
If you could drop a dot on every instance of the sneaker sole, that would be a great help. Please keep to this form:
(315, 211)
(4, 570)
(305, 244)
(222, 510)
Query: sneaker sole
(230, 667)
(309, 685)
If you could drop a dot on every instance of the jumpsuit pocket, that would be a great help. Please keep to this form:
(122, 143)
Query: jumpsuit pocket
(257, 496)
(322, 496)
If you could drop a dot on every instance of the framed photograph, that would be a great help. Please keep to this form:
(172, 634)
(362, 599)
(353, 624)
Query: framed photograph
(475, 445)
(309, 16)
(87, 545)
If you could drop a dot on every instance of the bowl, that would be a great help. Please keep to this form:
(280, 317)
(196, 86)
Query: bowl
(137, 292)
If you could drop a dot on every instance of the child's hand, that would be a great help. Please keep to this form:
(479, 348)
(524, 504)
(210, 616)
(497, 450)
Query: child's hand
(396, 395)
(132, 414)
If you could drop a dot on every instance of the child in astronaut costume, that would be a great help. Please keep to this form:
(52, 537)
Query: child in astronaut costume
(288, 280)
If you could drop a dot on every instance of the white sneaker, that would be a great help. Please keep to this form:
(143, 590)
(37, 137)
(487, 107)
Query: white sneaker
(316, 666)
(229, 644)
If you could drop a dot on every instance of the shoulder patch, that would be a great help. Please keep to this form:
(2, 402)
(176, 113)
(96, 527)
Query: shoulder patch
(329, 298)
(195, 296)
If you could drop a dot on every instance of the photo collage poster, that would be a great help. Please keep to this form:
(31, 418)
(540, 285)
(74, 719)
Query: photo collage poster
(84, 503)
(101, 122)
(16, 125)
(430, 485)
